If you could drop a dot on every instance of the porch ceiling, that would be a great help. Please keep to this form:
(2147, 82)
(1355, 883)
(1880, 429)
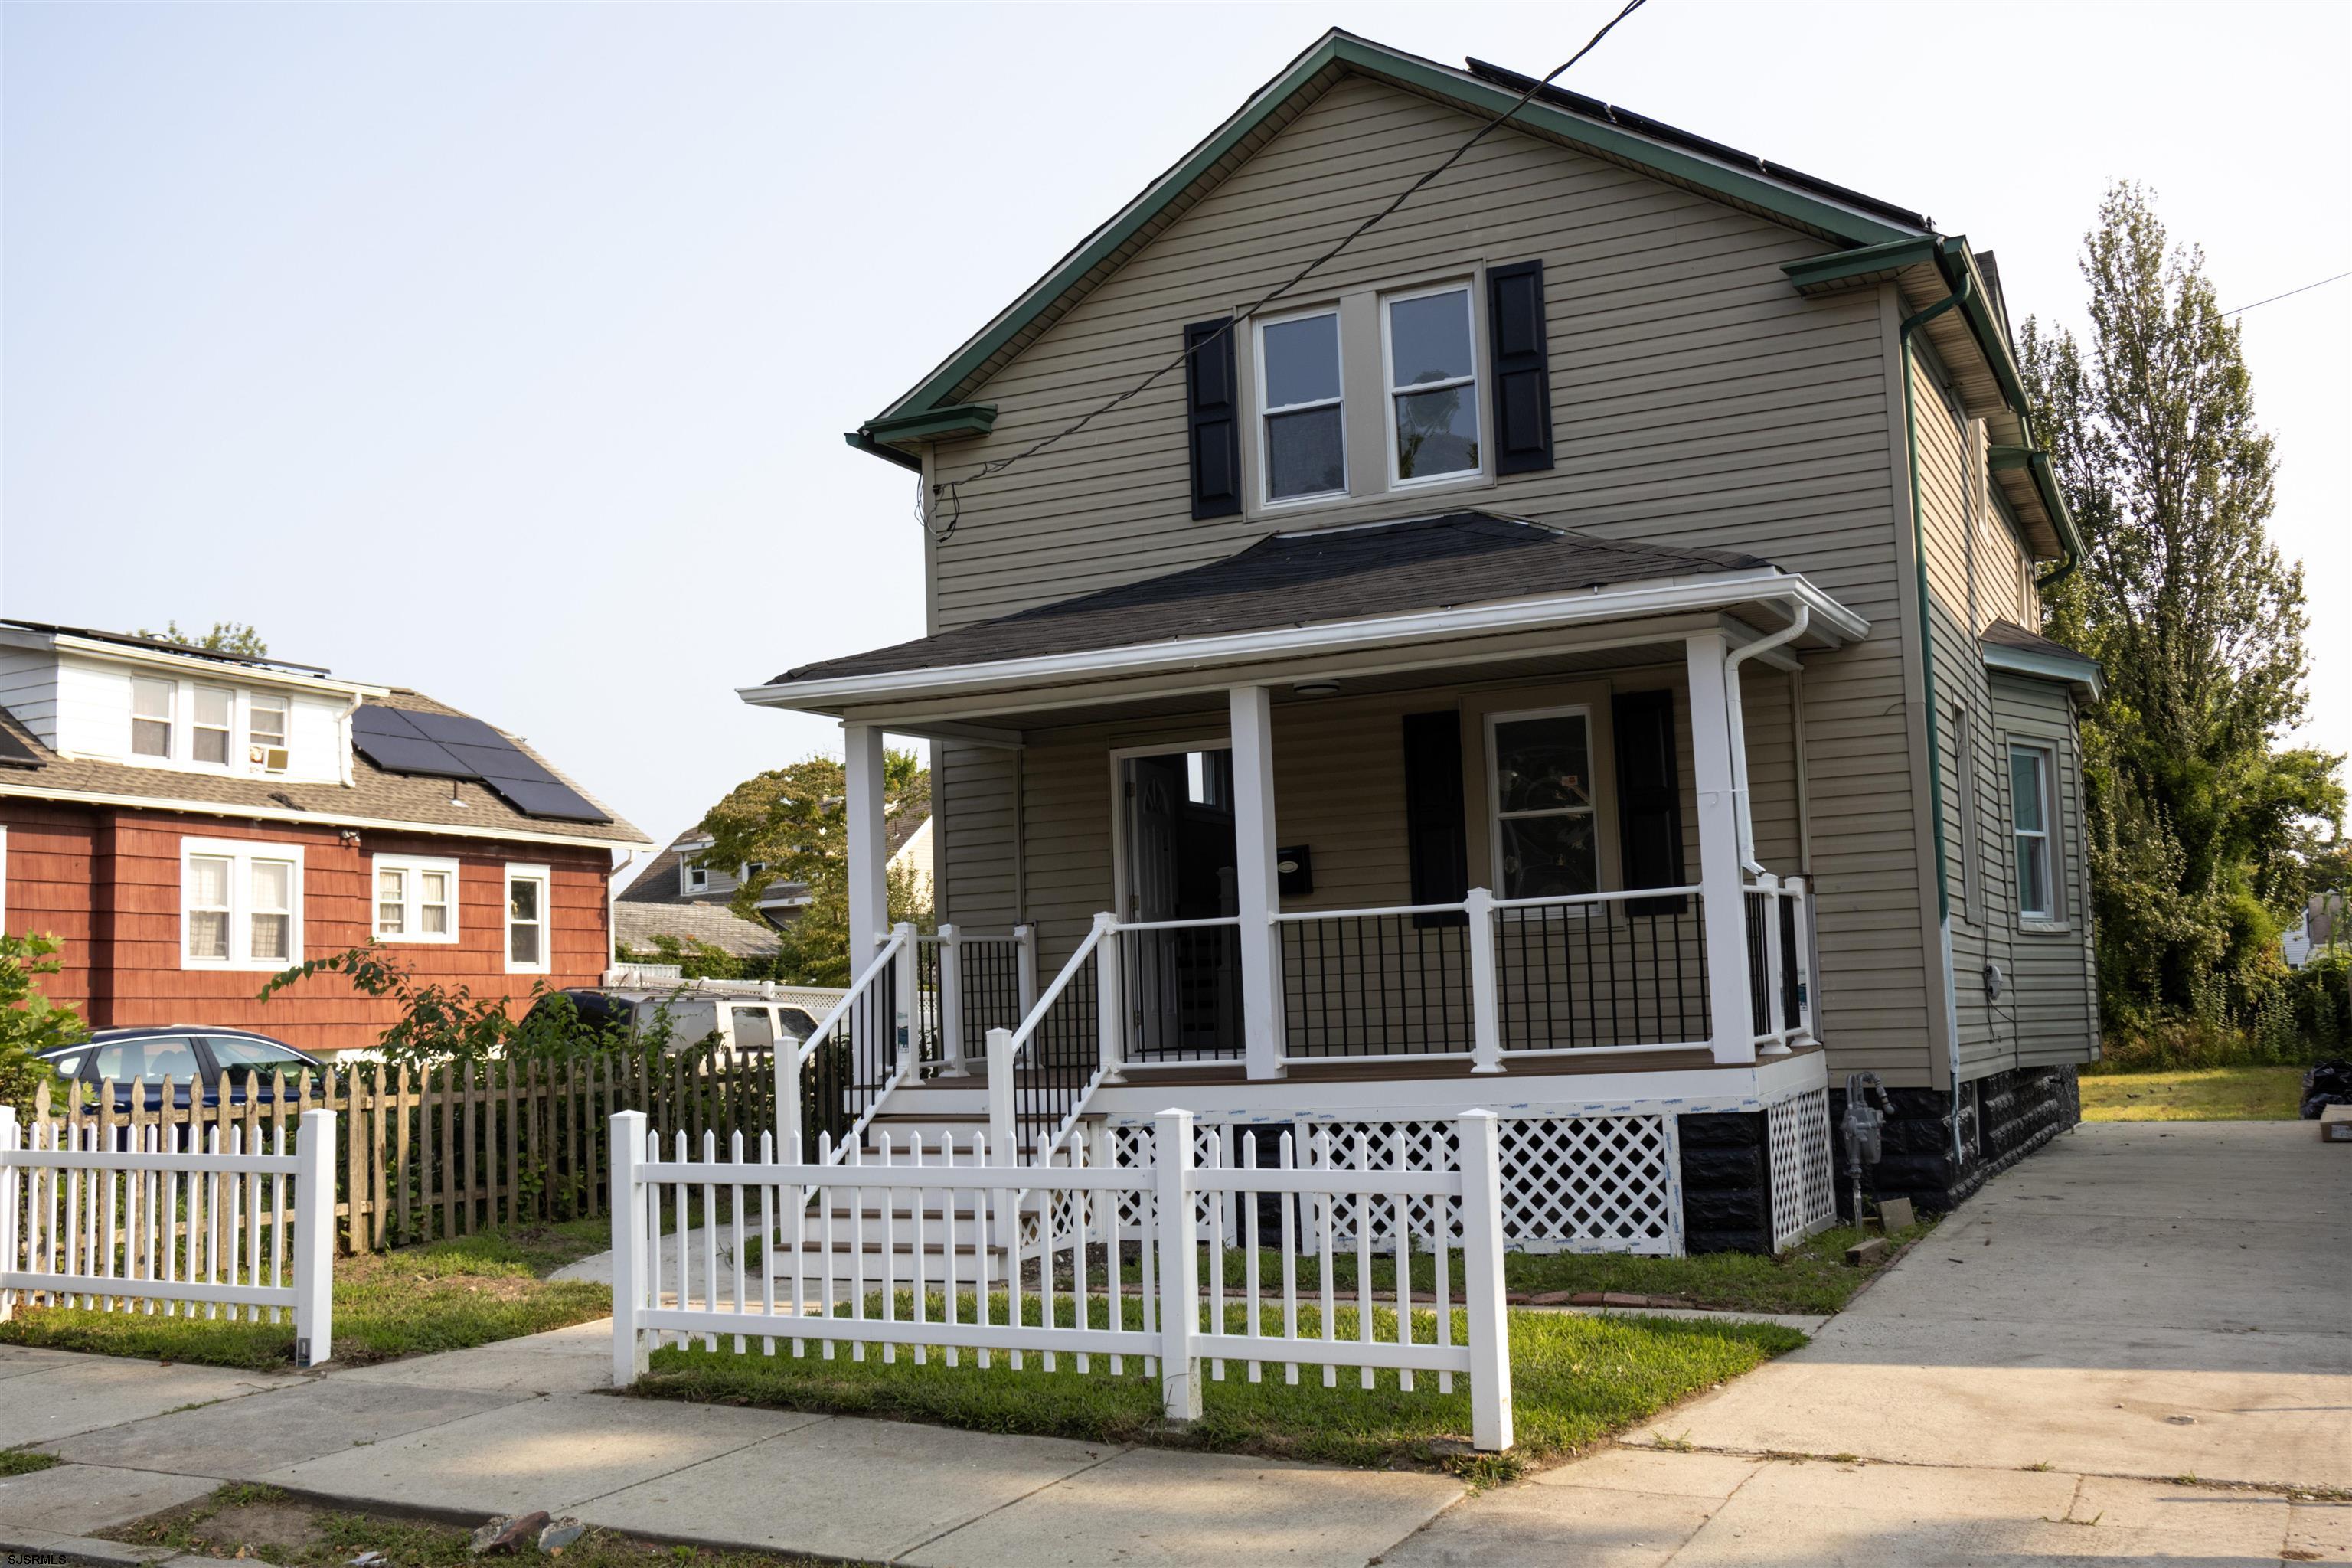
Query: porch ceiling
(1461, 587)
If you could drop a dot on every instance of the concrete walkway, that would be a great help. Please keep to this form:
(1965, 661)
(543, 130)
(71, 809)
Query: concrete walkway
(2135, 1303)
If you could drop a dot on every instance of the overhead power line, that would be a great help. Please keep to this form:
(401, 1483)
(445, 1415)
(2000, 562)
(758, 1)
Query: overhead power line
(952, 489)
(2289, 294)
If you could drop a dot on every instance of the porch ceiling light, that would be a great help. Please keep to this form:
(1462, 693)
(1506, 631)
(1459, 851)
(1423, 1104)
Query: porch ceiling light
(1316, 689)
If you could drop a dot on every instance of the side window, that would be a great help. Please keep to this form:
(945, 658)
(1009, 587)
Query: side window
(1545, 842)
(239, 1058)
(755, 1030)
(2030, 816)
(172, 1057)
(796, 1024)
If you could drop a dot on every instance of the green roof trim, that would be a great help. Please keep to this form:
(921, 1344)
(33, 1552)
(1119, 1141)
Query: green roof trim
(865, 443)
(2073, 668)
(1866, 264)
(1347, 52)
(934, 424)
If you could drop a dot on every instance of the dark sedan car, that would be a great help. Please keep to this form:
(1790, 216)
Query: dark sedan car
(180, 1052)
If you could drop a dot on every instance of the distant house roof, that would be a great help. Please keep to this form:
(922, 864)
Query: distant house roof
(374, 796)
(1291, 579)
(2010, 648)
(637, 926)
(659, 882)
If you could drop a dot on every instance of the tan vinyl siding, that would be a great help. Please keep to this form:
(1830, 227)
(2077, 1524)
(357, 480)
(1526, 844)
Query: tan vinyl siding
(2049, 1013)
(1697, 401)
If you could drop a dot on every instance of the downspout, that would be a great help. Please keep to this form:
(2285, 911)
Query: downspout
(1919, 553)
(1745, 824)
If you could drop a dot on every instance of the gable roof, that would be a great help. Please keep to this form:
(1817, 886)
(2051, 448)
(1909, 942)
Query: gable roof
(375, 796)
(1317, 577)
(637, 924)
(933, 407)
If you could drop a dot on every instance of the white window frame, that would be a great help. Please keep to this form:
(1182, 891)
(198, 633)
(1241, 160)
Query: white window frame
(1495, 816)
(284, 706)
(692, 879)
(1265, 415)
(241, 854)
(1476, 381)
(413, 869)
(227, 728)
(170, 719)
(546, 922)
(2046, 763)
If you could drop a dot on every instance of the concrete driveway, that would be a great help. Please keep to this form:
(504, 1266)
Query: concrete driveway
(2136, 1304)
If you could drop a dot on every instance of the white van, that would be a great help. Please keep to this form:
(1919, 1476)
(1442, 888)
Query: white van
(698, 1016)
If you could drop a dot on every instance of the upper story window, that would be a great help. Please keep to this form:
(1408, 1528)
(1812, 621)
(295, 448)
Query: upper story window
(240, 904)
(1301, 410)
(152, 706)
(2030, 813)
(693, 878)
(265, 729)
(1546, 830)
(216, 718)
(1431, 358)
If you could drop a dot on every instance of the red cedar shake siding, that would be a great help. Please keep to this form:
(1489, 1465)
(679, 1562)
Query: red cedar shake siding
(106, 882)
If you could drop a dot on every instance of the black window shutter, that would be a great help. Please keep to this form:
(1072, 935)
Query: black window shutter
(1437, 847)
(1522, 367)
(1212, 418)
(1649, 798)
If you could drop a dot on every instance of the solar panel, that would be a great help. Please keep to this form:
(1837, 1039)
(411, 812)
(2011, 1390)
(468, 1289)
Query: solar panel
(452, 746)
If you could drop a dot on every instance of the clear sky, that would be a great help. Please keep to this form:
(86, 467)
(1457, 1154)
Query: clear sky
(504, 350)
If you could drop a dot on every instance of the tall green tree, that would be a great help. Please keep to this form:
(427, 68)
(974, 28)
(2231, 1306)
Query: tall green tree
(2200, 818)
(791, 823)
(232, 637)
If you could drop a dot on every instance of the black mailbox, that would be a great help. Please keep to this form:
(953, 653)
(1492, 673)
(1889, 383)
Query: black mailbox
(1294, 871)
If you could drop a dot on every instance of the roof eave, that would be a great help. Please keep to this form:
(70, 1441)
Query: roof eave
(2083, 673)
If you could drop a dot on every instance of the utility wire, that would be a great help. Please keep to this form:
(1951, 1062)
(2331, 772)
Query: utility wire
(953, 490)
(2289, 294)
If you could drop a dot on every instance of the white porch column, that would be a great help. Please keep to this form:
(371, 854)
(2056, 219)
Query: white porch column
(1254, 880)
(869, 901)
(1719, 878)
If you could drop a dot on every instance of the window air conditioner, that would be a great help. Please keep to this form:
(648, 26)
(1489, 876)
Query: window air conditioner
(269, 759)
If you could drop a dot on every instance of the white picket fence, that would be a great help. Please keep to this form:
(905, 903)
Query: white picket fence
(993, 1257)
(174, 1230)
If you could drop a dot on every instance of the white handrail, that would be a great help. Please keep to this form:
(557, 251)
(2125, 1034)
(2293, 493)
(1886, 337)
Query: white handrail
(788, 1120)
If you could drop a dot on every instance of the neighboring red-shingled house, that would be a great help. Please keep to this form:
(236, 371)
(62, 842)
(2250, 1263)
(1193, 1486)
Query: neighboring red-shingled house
(187, 823)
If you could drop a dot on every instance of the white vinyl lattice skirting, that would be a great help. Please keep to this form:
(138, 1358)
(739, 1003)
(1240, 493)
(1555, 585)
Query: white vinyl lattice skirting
(1570, 1183)
(1804, 1196)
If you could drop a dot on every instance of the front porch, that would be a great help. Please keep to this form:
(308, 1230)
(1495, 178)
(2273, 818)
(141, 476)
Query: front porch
(1368, 881)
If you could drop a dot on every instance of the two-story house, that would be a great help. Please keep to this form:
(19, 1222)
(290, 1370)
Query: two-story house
(1574, 653)
(188, 823)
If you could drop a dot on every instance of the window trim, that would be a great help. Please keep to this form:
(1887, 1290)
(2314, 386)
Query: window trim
(687, 873)
(284, 706)
(241, 853)
(226, 729)
(412, 867)
(1493, 721)
(516, 872)
(1477, 381)
(2045, 757)
(170, 721)
(1261, 413)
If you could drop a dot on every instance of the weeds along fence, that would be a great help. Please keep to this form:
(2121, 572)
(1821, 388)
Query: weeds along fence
(172, 1219)
(448, 1151)
(954, 1250)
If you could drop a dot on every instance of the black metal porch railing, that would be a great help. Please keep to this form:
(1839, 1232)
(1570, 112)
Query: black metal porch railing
(1760, 982)
(988, 983)
(846, 1076)
(1375, 985)
(1793, 1001)
(1608, 972)
(1051, 1071)
(928, 1021)
(1183, 990)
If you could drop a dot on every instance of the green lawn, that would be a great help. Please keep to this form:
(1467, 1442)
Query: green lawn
(443, 1295)
(1811, 1277)
(1576, 1378)
(2211, 1094)
(259, 1523)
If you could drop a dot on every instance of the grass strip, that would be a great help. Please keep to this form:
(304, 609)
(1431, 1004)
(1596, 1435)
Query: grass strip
(24, 1461)
(2209, 1094)
(1575, 1379)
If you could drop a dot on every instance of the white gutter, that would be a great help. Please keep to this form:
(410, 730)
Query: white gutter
(1745, 823)
(10, 789)
(1715, 591)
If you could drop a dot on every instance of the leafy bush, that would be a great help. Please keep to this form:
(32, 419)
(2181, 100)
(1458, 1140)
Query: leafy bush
(449, 1023)
(699, 959)
(29, 1022)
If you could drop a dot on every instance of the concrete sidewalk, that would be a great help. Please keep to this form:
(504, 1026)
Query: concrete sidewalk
(2134, 1304)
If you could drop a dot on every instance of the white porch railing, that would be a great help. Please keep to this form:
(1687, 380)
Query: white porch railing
(172, 1227)
(862, 1049)
(961, 1303)
(1780, 924)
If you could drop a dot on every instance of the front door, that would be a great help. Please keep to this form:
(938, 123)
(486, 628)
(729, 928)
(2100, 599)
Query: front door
(1184, 986)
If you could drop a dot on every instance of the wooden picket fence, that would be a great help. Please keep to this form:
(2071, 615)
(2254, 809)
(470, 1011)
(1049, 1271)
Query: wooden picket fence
(432, 1153)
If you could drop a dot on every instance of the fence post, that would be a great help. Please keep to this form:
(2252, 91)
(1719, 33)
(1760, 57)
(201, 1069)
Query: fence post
(1485, 1010)
(909, 977)
(628, 1204)
(1480, 1137)
(1110, 1005)
(8, 1259)
(1024, 947)
(1000, 1098)
(1180, 1264)
(314, 1238)
(952, 1062)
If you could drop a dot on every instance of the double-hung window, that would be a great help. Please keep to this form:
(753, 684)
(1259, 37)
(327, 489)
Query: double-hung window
(527, 906)
(415, 899)
(1544, 826)
(151, 705)
(209, 730)
(265, 727)
(2030, 813)
(1431, 358)
(1302, 448)
(240, 904)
